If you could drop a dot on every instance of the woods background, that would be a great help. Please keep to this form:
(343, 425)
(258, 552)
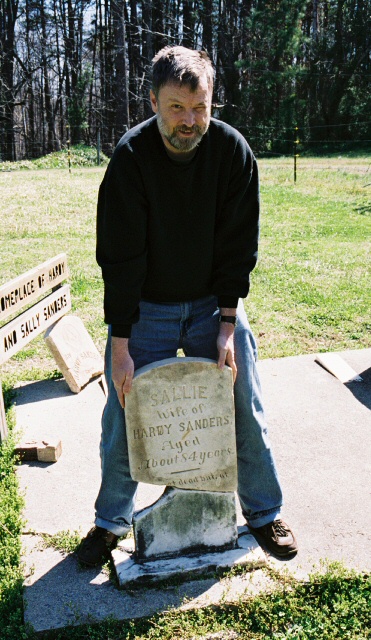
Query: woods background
(78, 70)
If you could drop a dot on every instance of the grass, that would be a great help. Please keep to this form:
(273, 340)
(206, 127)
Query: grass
(310, 293)
(312, 287)
(334, 604)
(64, 541)
(11, 505)
(78, 156)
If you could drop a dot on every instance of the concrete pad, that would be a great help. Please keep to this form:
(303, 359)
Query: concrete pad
(61, 496)
(321, 435)
(320, 431)
(59, 594)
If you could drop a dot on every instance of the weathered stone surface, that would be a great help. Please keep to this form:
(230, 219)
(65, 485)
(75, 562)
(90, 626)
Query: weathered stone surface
(47, 450)
(74, 352)
(180, 425)
(186, 522)
(130, 572)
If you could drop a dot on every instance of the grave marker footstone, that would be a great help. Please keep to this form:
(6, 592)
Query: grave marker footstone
(74, 352)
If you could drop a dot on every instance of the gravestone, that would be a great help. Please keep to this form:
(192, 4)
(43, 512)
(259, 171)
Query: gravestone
(181, 433)
(180, 425)
(74, 352)
(186, 521)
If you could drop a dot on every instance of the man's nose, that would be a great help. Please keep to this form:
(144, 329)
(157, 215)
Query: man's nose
(189, 118)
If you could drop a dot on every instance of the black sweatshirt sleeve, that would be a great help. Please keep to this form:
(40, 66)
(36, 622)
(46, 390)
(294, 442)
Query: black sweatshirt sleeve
(237, 228)
(121, 240)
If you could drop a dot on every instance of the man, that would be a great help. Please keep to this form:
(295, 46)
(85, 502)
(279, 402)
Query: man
(177, 235)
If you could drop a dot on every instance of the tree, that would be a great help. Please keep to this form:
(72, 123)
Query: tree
(73, 68)
(8, 18)
(339, 56)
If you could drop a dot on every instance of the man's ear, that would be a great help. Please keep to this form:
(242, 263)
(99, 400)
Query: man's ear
(154, 103)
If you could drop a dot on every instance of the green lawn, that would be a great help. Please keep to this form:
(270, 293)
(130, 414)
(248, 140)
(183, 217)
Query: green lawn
(312, 287)
(310, 292)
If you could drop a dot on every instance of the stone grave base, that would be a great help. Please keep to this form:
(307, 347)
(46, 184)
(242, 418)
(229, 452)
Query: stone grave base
(131, 573)
(185, 534)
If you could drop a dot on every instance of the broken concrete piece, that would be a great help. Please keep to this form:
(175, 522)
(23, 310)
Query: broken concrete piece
(47, 450)
(185, 522)
(74, 352)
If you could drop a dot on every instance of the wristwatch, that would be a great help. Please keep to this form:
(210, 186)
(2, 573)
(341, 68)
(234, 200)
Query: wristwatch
(230, 319)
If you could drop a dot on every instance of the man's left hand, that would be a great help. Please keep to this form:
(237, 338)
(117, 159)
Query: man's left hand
(225, 346)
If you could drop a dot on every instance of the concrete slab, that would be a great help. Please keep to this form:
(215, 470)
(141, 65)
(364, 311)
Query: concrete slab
(321, 435)
(320, 430)
(58, 594)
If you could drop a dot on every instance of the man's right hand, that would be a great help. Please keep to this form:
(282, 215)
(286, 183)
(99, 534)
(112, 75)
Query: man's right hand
(122, 368)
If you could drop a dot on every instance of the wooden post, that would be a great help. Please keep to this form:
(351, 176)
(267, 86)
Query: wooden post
(296, 142)
(3, 423)
(98, 147)
(68, 148)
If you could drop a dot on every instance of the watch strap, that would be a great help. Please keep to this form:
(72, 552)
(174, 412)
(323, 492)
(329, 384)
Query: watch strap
(229, 319)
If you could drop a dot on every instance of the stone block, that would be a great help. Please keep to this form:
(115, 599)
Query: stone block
(186, 521)
(74, 352)
(180, 425)
(46, 450)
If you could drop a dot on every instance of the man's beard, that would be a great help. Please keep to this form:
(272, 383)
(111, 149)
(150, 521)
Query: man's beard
(182, 144)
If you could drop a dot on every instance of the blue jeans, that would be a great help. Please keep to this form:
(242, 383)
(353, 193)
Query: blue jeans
(191, 326)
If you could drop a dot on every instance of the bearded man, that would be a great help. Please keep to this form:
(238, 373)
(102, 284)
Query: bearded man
(177, 239)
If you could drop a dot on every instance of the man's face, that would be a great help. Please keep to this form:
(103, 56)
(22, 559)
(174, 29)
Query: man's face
(183, 116)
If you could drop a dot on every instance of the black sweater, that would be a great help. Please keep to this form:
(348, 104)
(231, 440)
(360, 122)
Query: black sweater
(171, 232)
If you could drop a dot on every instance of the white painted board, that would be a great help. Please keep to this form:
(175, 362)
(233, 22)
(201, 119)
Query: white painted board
(338, 367)
(15, 335)
(17, 293)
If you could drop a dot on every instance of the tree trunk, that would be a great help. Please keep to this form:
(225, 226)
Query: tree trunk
(8, 16)
(121, 79)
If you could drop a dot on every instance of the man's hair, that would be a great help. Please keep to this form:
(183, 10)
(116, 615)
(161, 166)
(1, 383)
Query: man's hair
(181, 66)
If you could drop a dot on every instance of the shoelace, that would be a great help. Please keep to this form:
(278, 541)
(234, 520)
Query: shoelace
(279, 528)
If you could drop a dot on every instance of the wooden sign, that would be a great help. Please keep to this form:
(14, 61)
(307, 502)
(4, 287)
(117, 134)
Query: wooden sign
(20, 331)
(28, 287)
